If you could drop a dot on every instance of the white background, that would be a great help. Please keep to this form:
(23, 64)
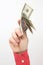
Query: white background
(10, 12)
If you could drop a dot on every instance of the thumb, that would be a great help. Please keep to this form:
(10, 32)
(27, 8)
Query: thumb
(19, 22)
(24, 33)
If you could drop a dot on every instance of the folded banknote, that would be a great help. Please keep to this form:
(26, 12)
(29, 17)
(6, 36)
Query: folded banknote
(25, 22)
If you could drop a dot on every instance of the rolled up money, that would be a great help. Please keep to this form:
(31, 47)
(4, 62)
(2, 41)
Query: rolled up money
(25, 22)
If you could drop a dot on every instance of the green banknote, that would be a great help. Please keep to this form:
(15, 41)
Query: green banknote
(25, 22)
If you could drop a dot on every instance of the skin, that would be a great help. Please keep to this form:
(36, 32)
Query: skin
(18, 42)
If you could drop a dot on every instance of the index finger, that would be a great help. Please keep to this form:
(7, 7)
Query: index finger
(18, 33)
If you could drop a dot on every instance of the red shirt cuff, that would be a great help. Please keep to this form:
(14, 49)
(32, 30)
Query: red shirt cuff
(22, 58)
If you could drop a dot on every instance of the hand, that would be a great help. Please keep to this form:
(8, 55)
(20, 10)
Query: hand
(18, 41)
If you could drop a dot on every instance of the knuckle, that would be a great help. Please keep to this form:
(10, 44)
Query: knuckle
(17, 30)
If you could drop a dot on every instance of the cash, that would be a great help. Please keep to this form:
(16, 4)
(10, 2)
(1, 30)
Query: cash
(26, 11)
(25, 22)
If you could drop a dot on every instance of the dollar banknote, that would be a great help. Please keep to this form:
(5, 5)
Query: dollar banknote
(25, 22)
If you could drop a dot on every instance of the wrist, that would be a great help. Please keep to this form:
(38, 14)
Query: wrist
(20, 52)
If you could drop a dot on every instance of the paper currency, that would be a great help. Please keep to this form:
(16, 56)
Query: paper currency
(26, 11)
(25, 22)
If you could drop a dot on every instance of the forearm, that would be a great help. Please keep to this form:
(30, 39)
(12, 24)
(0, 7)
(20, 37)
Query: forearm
(22, 58)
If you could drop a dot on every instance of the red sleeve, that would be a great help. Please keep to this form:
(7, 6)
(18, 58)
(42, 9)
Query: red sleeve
(22, 58)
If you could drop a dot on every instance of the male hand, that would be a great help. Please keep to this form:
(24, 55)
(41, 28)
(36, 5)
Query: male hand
(18, 41)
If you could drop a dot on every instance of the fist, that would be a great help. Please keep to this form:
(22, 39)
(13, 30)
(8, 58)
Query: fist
(19, 41)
